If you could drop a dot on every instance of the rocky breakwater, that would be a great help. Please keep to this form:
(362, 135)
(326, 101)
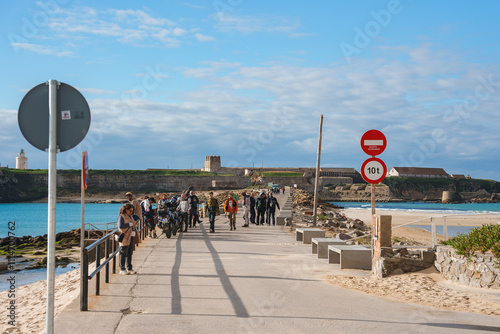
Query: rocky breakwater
(335, 224)
(357, 192)
(31, 252)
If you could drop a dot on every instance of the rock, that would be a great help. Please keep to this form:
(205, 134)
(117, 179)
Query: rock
(343, 236)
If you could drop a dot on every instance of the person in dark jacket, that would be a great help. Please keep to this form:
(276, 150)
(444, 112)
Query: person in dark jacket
(194, 203)
(271, 205)
(252, 208)
(261, 208)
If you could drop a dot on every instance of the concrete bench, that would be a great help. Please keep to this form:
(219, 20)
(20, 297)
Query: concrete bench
(320, 246)
(306, 234)
(350, 256)
(280, 220)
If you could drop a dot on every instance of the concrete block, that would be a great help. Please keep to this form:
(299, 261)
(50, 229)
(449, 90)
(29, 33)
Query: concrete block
(280, 220)
(306, 234)
(350, 256)
(320, 246)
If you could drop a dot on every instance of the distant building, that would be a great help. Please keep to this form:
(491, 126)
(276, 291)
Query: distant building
(458, 176)
(21, 160)
(423, 172)
(212, 164)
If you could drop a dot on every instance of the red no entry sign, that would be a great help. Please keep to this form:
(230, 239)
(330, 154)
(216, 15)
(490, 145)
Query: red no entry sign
(373, 142)
(373, 170)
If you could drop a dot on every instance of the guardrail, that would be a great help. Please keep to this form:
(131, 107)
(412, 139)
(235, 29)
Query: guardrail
(109, 255)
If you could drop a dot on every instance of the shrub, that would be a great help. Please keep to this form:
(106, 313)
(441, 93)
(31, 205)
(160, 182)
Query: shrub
(482, 239)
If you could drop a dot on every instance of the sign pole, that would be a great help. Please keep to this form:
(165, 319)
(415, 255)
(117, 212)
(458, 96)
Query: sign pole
(373, 199)
(316, 179)
(51, 244)
(82, 225)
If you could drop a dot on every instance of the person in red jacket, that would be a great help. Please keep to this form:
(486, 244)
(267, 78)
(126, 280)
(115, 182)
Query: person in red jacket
(231, 208)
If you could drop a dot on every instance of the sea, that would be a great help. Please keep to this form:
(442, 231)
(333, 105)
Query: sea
(31, 220)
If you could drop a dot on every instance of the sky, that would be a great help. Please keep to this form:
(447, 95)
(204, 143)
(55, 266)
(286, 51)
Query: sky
(170, 82)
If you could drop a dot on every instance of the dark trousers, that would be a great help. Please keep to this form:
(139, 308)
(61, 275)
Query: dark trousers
(260, 217)
(126, 255)
(193, 218)
(184, 221)
(270, 215)
(252, 215)
(211, 219)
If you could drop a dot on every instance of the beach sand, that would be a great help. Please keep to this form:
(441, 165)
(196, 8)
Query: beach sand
(31, 303)
(424, 288)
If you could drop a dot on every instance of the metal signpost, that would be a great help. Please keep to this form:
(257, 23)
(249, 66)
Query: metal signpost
(373, 170)
(85, 177)
(53, 117)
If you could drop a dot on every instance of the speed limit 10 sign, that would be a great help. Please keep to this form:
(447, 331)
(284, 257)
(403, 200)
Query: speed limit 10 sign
(373, 170)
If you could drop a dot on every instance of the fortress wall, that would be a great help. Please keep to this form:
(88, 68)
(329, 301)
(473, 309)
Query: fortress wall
(135, 182)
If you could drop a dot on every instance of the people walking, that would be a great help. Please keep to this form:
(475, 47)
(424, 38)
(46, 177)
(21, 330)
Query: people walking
(245, 201)
(252, 208)
(231, 208)
(127, 225)
(183, 209)
(261, 208)
(137, 211)
(271, 205)
(212, 207)
(193, 209)
(148, 213)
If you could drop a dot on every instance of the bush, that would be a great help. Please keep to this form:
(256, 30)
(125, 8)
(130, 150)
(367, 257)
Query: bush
(482, 239)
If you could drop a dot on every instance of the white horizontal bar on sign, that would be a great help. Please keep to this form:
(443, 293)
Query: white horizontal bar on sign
(374, 142)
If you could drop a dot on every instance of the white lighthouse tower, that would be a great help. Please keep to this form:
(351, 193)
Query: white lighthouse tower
(21, 160)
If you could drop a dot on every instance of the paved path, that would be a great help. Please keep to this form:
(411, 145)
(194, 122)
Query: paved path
(252, 280)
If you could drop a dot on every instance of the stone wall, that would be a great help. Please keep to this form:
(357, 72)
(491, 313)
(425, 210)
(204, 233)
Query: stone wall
(481, 271)
(136, 182)
(403, 261)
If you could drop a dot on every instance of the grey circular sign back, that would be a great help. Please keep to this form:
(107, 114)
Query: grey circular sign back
(73, 117)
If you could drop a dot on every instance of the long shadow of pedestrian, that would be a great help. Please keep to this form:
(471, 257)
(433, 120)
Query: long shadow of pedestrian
(235, 299)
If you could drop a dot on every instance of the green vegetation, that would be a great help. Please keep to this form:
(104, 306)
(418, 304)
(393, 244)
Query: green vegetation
(482, 239)
(322, 217)
(282, 174)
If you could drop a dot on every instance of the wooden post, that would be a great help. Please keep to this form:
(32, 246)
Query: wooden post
(316, 181)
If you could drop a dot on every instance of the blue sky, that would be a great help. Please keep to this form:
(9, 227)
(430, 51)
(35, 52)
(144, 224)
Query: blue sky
(169, 82)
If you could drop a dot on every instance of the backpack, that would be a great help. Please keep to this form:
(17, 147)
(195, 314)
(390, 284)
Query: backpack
(273, 203)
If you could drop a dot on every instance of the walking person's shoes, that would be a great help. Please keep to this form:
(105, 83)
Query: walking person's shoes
(123, 272)
(211, 231)
(132, 272)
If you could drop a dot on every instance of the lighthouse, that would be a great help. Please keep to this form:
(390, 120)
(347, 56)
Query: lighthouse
(21, 160)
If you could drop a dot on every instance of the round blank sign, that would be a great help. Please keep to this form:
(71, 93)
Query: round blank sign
(73, 117)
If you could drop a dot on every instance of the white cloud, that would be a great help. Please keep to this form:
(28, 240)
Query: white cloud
(204, 38)
(41, 49)
(250, 24)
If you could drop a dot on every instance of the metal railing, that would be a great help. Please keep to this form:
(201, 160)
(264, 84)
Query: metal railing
(109, 255)
(96, 228)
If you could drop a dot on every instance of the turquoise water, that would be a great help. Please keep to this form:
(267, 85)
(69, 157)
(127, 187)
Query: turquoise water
(431, 208)
(465, 208)
(31, 218)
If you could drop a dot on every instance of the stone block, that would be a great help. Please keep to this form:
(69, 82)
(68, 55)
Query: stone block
(320, 246)
(350, 256)
(306, 234)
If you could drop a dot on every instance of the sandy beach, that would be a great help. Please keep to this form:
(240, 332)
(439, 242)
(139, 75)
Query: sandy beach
(402, 220)
(425, 288)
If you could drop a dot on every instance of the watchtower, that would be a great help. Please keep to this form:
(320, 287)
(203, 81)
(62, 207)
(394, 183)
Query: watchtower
(21, 160)
(212, 163)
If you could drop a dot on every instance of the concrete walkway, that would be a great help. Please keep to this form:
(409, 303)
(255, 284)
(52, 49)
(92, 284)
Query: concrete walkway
(252, 280)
